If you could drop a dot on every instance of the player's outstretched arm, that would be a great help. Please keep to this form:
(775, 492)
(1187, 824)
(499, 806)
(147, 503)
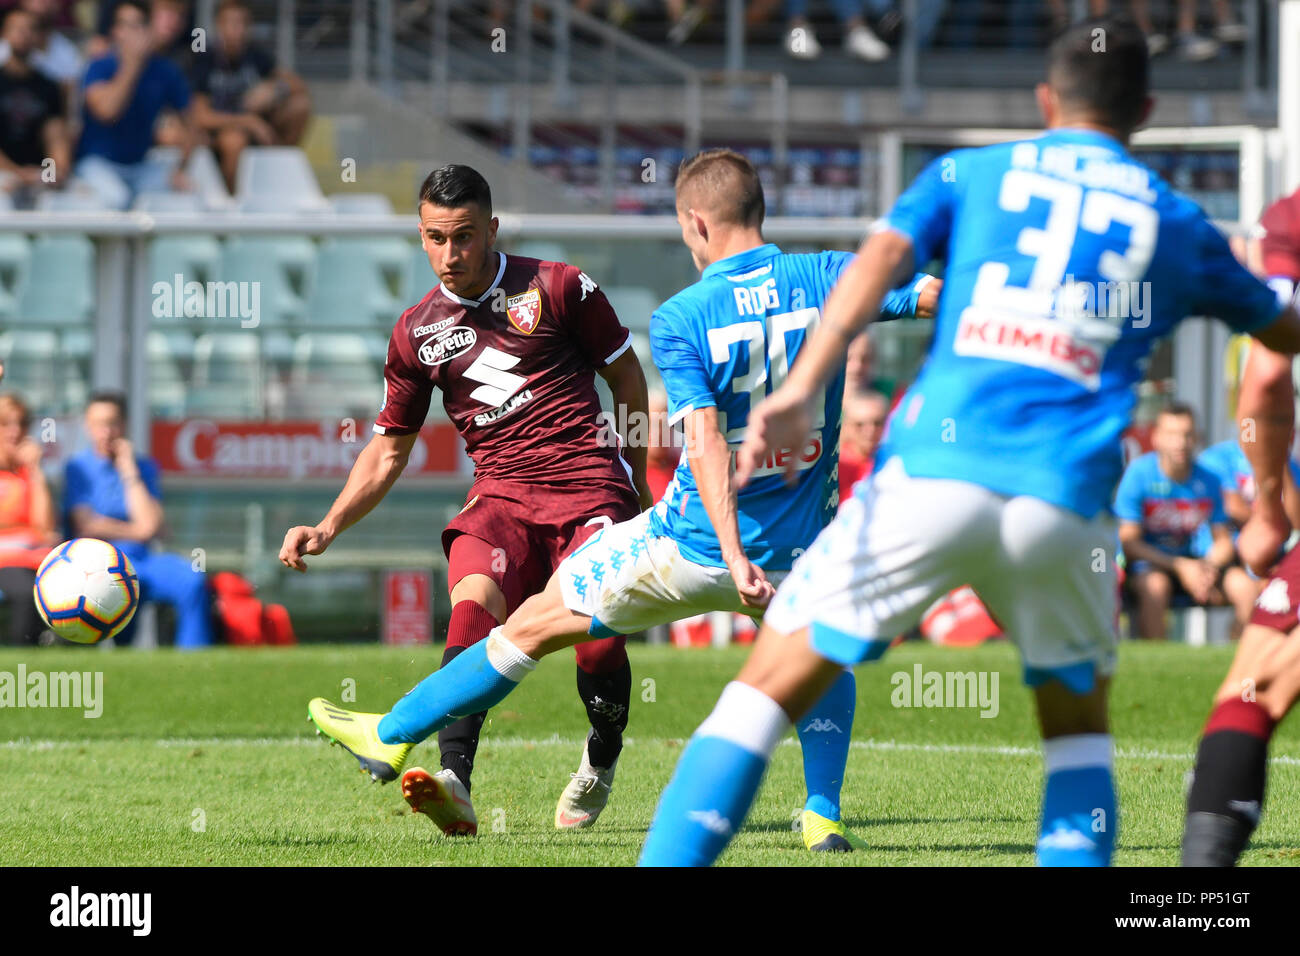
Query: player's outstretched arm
(710, 460)
(784, 418)
(373, 473)
(626, 381)
(1266, 416)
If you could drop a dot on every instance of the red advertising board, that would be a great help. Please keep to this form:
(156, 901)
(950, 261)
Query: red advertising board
(201, 448)
(408, 607)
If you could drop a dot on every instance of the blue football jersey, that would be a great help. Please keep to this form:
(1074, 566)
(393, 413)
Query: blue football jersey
(726, 342)
(1175, 515)
(1230, 464)
(1067, 260)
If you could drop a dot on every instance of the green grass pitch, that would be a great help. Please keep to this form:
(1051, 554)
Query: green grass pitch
(208, 758)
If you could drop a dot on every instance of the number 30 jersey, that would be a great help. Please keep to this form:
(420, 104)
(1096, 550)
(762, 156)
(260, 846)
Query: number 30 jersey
(727, 342)
(516, 368)
(1066, 260)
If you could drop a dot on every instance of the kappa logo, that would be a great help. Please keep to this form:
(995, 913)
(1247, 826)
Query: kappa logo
(711, 820)
(819, 726)
(588, 285)
(1275, 599)
(447, 345)
(525, 310)
(420, 331)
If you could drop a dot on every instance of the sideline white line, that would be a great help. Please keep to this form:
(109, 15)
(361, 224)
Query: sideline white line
(524, 743)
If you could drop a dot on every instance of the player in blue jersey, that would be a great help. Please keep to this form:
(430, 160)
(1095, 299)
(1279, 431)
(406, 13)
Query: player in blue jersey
(1174, 531)
(1002, 456)
(1229, 464)
(722, 344)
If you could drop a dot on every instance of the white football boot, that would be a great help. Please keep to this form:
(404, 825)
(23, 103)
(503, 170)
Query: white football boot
(585, 796)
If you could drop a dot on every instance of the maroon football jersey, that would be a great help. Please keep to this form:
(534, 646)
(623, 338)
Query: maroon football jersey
(516, 368)
(1281, 243)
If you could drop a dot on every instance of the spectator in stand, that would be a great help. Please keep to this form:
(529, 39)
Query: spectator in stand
(860, 369)
(241, 97)
(859, 40)
(665, 450)
(1228, 463)
(862, 427)
(54, 54)
(1190, 44)
(113, 494)
(124, 93)
(32, 127)
(1162, 501)
(27, 530)
(170, 26)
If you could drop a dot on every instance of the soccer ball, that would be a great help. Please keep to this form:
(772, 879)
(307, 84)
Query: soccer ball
(86, 590)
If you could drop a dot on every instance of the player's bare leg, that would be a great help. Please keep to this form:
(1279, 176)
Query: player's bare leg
(1227, 792)
(1154, 590)
(1240, 590)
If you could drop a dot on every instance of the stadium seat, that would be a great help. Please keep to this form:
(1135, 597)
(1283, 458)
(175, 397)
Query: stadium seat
(69, 200)
(356, 287)
(194, 258)
(361, 204)
(277, 179)
(169, 355)
(228, 376)
(205, 174)
(32, 366)
(285, 267)
(61, 283)
(421, 277)
(633, 305)
(540, 249)
(15, 263)
(333, 374)
(168, 203)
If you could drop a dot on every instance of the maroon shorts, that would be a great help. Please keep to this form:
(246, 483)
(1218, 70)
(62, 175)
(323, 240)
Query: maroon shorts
(1276, 605)
(528, 530)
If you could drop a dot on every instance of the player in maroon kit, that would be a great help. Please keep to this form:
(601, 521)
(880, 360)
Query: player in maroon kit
(514, 345)
(1227, 793)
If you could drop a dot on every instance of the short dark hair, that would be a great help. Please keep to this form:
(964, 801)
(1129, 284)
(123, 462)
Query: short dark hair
(1178, 410)
(455, 185)
(726, 183)
(110, 395)
(15, 401)
(5, 15)
(225, 5)
(138, 4)
(1101, 65)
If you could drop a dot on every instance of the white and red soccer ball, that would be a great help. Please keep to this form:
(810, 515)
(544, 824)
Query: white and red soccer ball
(86, 590)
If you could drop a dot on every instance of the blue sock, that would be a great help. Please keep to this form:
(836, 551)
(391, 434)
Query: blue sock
(716, 779)
(1080, 812)
(478, 678)
(824, 736)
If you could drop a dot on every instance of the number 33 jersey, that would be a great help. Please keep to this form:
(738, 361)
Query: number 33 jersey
(516, 369)
(1066, 261)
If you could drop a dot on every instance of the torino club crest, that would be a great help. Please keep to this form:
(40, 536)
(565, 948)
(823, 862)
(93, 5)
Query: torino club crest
(525, 310)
